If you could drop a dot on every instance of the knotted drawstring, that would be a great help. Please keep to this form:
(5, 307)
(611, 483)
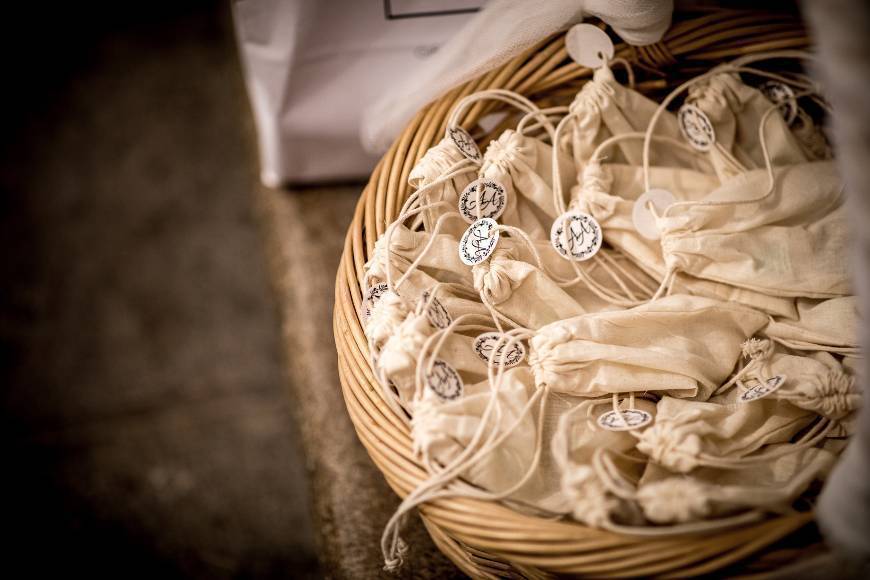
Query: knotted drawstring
(511, 98)
(758, 351)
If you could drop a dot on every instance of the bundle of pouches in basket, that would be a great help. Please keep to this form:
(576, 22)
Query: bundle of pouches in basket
(691, 367)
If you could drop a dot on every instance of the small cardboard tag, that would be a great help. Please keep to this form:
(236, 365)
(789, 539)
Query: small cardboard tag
(696, 127)
(465, 143)
(483, 198)
(478, 242)
(762, 389)
(489, 341)
(643, 219)
(576, 236)
(444, 381)
(589, 46)
(624, 420)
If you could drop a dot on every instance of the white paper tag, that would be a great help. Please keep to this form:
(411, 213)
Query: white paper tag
(483, 198)
(624, 420)
(576, 236)
(762, 389)
(371, 297)
(465, 143)
(478, 242)
(696, 127)
(643, 219)
(435, 311)
(489, 341)
(781, 94)
(589, 46)
(444, 381)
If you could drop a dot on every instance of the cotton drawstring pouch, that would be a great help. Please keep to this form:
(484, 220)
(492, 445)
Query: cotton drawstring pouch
(522, 165)
(688, 434)
(612, 192)
(574, 445)
(708, 493)
(820, 325)
(443, 160)
(604, 108)
(681, 345)
(816, 382)
(812, 204)
(782, 233)
(734, 111)
(442, 430)
(478, 420)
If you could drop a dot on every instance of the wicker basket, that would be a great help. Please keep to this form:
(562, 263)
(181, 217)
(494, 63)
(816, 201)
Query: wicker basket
(488, 539)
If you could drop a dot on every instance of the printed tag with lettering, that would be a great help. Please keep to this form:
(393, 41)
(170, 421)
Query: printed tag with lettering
(435, 311)
(576, 236)
(478, 242)
(487, 342)
(762, 389)
(465, 143)
(696, 127)
(483, 198)
(371, 297)
(624, 420)
(589, 46)
(643, 219)
(781, 94)
(444, 381)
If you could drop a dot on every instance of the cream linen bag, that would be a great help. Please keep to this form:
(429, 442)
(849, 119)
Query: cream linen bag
(829, 325)
(401, 354)
(781, 232)
(524, 166)
(681, 345)
(609, 192)
(816, 381)
(707, 493)
(690, 434)
(574, 446)
(604, 108)
(734, 109)
(440, 176)
(529, 285)
(514, 468)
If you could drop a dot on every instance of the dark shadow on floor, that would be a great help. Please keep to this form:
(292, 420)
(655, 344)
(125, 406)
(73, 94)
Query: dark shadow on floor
(145, 425)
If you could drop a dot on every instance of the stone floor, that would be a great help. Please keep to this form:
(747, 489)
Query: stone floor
(146, 427)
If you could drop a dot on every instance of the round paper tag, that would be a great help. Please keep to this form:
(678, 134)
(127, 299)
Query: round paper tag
(465, 143)
(478, 241)
(643, 218)
(372, 295)
(483, 198)
(576, 236)
(589, 46)
(435, 311)
(624, 420)
(488, 341)
(781, 94)
(696, 127)
(762, 389)
(444, 381)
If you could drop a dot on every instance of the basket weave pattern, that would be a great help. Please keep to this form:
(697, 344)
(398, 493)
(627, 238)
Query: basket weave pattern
(487, 539)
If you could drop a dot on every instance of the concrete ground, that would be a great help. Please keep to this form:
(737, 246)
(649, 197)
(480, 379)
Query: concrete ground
(146, 427)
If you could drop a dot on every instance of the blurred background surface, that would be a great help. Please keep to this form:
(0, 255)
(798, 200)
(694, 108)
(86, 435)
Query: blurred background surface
(146, 425)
